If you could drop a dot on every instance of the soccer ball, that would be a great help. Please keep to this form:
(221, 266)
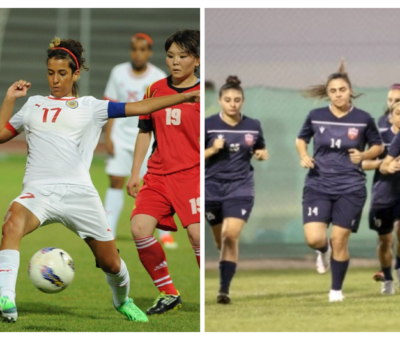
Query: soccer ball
(51, 270)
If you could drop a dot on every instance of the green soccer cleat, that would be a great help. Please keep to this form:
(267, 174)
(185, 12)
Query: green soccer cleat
(131, 311)
(165, 303)
(8, 309)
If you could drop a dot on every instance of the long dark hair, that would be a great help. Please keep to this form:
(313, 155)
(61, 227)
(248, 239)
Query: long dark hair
(320, 91)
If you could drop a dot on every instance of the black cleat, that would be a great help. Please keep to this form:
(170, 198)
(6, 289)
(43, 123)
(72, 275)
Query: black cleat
(165, 303)
(223, 298)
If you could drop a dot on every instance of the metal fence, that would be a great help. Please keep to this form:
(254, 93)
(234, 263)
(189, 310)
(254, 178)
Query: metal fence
(277, 52)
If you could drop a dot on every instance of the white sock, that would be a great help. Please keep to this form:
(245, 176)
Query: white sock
(161, 233)
(119, 284)
(9, 264)
(113, 205)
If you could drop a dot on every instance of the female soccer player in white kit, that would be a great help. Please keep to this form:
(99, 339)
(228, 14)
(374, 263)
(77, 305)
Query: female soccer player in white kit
(62, 132)
(128, 82)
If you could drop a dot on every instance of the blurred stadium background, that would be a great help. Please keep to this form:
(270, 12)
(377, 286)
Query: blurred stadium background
(25, 34)
(277, 52)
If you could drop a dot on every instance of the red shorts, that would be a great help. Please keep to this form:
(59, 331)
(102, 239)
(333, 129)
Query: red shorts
(163, 195)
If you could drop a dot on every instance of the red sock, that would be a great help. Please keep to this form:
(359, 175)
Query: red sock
(197, 253)
(153, 258)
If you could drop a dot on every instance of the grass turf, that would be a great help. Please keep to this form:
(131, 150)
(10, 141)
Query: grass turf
(86, 306)
(297, 301)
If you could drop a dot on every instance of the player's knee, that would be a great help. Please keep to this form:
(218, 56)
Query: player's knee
(13, 227)
(229, 237)
(339, 244)
(316, 242)
(385, 243)
(110, 266)
(139, 229)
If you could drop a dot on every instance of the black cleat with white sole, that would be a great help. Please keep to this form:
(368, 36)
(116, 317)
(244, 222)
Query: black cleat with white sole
(165, 303)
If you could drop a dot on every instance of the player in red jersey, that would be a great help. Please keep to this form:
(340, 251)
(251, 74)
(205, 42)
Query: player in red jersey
(172, 182)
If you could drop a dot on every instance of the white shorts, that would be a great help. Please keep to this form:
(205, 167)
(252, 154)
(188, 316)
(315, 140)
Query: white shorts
(121, 163)
(77, 207)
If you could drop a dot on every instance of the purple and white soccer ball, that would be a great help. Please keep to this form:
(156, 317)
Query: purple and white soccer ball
(51, 270)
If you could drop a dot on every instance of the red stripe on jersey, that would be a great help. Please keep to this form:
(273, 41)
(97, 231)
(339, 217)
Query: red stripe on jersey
(69, 98)
(12, 129)
(111, 100)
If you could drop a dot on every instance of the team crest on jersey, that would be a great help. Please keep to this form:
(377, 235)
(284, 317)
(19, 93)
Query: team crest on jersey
(352, 133)
(72, 104)
(249, 139)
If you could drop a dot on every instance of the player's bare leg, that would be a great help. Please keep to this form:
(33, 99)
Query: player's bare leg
(114, 202)
(117, 277)
(339, 261)
(316, 238)
(18, 222)
(385, 257)
(153, 259)
(216, 230)
(378, 276)
(193, 231)
(230, 233)
(397, 249)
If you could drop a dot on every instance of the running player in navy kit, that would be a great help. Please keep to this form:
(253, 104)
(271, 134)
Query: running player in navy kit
(384, 214)
(231, 141)
(393, 95)
(334, 190)
(383, 125)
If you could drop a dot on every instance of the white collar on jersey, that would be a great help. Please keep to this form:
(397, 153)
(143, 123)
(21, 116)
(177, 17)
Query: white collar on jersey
(63, 98)
(351, 108)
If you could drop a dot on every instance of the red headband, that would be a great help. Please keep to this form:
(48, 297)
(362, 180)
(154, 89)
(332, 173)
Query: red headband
(143, 36)
(72, 55)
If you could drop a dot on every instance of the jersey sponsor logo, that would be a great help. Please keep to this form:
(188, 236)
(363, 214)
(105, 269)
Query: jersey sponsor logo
(249, 139)
(244, 212)
(163, 264)
(27, 195)
(5, 270)
(352, 133)
(321, 129)
(38, 105)
(72, 104)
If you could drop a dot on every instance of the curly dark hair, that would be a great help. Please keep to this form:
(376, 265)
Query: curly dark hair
(75, 47)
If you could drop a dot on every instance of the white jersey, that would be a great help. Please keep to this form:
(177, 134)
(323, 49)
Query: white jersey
(124, 86)
(62, 134)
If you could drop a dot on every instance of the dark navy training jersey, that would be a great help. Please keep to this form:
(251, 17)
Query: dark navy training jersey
(230, 170)
(385, 188)
(383, 123)
(333, 171)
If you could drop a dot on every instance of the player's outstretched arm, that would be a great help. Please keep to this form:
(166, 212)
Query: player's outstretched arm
(141, 146)
(15, 91)
(150, 105)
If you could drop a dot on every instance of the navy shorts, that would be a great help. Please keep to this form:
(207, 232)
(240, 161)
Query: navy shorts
(237, 208)
(340, 210)
(382, 220)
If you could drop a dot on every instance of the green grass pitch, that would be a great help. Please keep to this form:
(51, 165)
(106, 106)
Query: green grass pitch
(296, 300)
(86, 306)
